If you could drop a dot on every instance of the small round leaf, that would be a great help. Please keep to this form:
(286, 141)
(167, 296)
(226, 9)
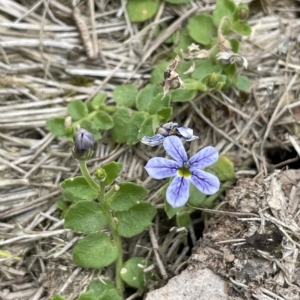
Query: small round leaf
(95, 251)
(85, 216)
(132, 272)
(201, 28)
(77, 110)
(136, 219)
(127, 196)
(125, 95)
(79, 188)
(139, 11)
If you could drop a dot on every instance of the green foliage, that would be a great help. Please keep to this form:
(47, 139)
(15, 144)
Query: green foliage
(57, 297)
(139, 11)
(177, 1)
(125, 95)
(242, 83)
(224, 168)
(196, 197)
(134, 126)
(112, 170)
(170, 211)
(145, 96)
(121, 118)
(99, 286)
(85, 216)
(201, 29)
(104, 290)
(78, 188)
(77, 110)
(132, 272)
(210, 65)
(88, 296)
(224, 8)
(56, 126)
(183, 219)
(134, 220)
(127, 195)
(95, 251)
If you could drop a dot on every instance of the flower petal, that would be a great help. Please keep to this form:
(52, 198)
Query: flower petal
(178, 191)
(205, 182)
(153, 140)
(204, 158)
(159, 167)
(174, 147)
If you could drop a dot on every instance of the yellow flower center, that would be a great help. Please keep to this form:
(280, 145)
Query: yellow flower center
(184, 172)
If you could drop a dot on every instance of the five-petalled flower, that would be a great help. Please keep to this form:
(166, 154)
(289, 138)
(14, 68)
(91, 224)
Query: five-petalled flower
(184, 171)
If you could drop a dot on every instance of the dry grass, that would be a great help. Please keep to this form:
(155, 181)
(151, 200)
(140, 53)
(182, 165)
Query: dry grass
(41, 51)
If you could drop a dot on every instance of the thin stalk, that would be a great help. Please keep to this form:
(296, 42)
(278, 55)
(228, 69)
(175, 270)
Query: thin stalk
(100, 189)
(116, 237)
(87, 176)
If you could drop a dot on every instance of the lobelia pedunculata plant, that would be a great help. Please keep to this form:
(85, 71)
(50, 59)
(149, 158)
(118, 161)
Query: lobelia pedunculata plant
(119, 207)
(99, 204)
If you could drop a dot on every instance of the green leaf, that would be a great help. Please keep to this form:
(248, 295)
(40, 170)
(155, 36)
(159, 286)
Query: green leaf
(132, 272)
(57, 297)
(56, 126)
(241, 28)
(139, 11)
(111, 294)
(96, 251)
(157, 74)
(61, 204)
(79, 188)
(103, 120)
(235, 45)
(87, 296)
(201, 29)
(98, 101)
(223, 168)
(125, 95)
(223, 8)
(242, 83)
(183, 95)
(77, 110)
(134, 126)
(194, 85)
(85, 216)
(147, 128)
(165, 114)
(134, 221)
(99, 286)
(182, 41)
(128, 195)
(196, 198)
(70, 196)
(183, 219)
(91, 127)
(170, 211)
(229, 70)
(146, 95)
(112, 170)
(121, 119)
(177, 1)
(204, 68)
(157, 103)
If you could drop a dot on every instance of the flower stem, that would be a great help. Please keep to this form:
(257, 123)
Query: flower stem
(87, 176)
(116, 237)
(100, 189)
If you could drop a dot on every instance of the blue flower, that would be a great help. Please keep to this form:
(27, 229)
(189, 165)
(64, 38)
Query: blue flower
(169, 129)
(84, 140)
(184, 171)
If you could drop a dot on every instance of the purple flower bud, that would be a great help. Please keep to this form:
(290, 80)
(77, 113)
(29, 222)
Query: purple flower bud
(83, 140)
